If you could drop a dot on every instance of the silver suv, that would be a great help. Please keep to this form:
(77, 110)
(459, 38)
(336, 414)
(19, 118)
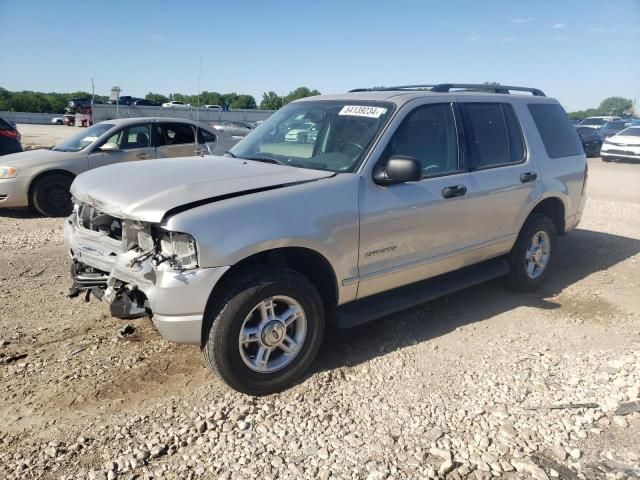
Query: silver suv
(404, 194)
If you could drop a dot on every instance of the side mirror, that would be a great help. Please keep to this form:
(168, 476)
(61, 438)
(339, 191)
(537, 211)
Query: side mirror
(109, 147)
(397, 169)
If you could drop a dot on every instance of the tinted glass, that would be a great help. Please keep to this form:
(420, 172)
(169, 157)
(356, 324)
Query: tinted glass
(4, 125)
(205, 137)
(486, 134)
(177, 133)
(615, 126)
(593, 121)
(516, 143)
(558, 135)
(429, 135)
(632, 132)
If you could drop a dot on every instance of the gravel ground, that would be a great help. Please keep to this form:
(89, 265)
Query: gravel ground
(483, 383)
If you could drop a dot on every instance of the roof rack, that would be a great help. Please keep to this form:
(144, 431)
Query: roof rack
(447, 87)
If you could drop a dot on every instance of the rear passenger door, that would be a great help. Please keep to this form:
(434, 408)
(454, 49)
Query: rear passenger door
(175, 140)
(502, 176)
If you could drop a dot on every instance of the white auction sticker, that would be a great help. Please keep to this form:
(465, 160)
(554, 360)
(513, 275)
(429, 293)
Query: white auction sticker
(362, 111)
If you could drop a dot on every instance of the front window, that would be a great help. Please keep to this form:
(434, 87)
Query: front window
(84, 138)
(322, 135)
(134, 136)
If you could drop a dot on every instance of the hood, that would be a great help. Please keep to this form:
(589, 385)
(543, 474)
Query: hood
(36, 158)
(624, 140)
(148, 190)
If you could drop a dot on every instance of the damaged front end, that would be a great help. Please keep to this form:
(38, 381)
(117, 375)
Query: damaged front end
(120, 260)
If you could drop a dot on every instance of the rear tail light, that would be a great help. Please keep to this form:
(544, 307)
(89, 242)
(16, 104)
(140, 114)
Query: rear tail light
(10, 134)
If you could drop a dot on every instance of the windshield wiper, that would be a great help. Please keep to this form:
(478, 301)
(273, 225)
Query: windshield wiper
(266, 160)
(230, 153)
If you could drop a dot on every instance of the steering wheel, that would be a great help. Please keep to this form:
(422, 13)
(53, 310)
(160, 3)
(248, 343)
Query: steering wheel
(344, 146)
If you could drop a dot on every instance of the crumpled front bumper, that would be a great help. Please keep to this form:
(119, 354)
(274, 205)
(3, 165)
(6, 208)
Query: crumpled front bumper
(177, 299)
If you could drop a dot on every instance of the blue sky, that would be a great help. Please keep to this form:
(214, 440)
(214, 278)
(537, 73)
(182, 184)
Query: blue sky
(579, 51)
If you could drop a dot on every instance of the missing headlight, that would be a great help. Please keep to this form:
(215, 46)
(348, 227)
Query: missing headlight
(180, 250)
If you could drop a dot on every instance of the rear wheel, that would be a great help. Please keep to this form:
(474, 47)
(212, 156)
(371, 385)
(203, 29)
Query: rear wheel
(264, 331)
(50, 195)
(531, 257)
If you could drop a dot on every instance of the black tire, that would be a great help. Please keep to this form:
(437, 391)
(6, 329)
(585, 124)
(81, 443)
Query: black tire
(227, 311)
(51, 197)
(518, 279)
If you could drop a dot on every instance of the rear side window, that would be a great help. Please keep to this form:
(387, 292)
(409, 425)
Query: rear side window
(4, 125)
(177, 133)
(205, 137)
(558, 135)
(493, 135)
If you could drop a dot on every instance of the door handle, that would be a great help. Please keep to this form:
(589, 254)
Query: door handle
(528, 177)
(455, 191)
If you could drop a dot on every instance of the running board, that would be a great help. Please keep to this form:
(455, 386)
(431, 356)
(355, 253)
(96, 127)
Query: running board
(402, 298)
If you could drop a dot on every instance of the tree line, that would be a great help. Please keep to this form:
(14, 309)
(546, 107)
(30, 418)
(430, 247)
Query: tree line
(40, 102)
(617, 106)
(28, 101)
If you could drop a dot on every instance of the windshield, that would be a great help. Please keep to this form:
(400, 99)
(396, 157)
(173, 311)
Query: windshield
(630, 132)
(593, 121)
(82, 139)
(323, 135)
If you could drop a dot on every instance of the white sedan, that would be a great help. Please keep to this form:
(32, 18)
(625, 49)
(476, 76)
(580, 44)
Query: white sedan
(624, 145)
(176, 104)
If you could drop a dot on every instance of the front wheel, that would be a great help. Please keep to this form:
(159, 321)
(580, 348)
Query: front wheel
(531, 257)
(264, 331)
(51, 197)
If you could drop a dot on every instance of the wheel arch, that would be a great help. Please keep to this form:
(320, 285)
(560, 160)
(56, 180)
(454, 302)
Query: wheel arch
(306, 261)
(554, 208)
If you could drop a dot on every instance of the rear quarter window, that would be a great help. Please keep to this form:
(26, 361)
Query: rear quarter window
(559, 137)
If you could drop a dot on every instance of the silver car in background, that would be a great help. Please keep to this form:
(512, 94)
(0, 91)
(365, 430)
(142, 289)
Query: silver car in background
(42, 178)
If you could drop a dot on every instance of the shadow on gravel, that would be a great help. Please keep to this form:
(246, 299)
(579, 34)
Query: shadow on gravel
(19, 213)
(580, 254)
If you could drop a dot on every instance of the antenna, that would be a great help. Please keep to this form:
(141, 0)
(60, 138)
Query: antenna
(198, 110)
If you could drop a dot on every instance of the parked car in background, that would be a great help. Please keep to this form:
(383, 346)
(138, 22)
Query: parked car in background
(302, 133)
(623, 146)
(69, 119)
(591, 140)
(57, 121)
(215, 107)
(125, 100)
(176, 104)
(407, 194)
(612, 128)
(9, 143)
(142, 102)
(237, 129)
(597, 122)
(41, 178)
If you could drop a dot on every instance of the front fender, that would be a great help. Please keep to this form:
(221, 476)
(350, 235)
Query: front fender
(321, 215)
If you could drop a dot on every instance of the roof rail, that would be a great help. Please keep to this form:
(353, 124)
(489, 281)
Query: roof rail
(447, 87)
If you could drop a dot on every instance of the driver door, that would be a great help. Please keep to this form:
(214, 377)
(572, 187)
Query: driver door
(134, 143)
(412, 231)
